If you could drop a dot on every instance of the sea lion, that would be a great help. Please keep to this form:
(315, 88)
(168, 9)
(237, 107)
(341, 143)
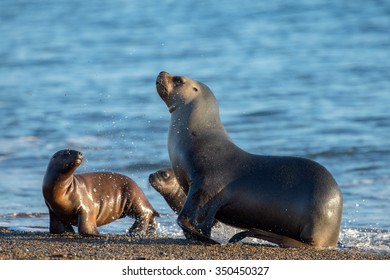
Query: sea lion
(90, 200)
(164, 181)
(290, 197)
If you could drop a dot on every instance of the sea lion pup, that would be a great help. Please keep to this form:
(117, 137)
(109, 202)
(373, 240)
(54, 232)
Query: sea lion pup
(164, 181)
(90, 200)
(290, 197)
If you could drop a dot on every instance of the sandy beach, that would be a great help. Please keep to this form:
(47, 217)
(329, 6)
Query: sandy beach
(15, 245)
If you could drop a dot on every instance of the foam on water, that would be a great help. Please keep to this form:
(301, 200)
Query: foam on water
(374, 240)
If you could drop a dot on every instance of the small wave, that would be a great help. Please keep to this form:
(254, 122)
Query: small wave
(12, 145)
(332, 153)
(29, 228)
(23, 215)
(366, 167)
(264, 113)
(359, 182)
(383, 181)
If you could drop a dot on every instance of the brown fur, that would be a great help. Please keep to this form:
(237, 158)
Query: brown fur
(90, 200)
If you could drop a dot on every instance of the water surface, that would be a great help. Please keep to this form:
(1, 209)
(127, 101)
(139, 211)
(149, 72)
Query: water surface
(302, 78)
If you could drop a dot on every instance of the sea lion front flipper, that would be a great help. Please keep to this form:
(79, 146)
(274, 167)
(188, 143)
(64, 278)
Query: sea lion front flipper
(57, 226)
(191, 233)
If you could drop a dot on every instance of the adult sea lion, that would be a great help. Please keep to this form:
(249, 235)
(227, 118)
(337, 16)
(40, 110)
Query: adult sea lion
(293, 199)
(90, 200)
(164, 181)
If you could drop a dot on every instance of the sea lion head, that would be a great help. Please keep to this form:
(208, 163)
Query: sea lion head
(163, 180)
(178, 90)
(65, 161)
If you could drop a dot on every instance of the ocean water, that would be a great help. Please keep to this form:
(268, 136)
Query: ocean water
(303, 78)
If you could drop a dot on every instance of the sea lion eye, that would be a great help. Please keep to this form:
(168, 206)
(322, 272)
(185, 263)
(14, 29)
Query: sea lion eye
(195, 89)
(178, 80)
(165, 175)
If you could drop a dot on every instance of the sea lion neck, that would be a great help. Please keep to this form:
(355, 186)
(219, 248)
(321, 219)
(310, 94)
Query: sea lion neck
(57, 180)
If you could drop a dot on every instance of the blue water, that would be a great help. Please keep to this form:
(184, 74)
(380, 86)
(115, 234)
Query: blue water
(304, 78)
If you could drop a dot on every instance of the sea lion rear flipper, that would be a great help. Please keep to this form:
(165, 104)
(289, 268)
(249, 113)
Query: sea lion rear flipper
(86, 226)
(281, 240)
(239, 236)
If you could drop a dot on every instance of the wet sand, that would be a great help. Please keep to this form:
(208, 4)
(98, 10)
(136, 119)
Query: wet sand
(16, 245)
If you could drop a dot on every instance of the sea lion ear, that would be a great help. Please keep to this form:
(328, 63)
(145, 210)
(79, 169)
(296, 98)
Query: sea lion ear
(195, 89)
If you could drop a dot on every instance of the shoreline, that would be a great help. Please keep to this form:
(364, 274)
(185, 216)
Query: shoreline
(18, 245)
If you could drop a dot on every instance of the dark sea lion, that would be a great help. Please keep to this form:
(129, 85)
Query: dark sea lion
(90, 200)
(290, 197)
(164, 181)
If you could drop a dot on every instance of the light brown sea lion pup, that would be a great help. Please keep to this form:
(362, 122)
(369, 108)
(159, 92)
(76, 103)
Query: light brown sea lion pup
(90, 200)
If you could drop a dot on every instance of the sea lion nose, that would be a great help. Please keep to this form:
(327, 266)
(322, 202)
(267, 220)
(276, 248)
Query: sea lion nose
(161, 76)
(151, 177)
